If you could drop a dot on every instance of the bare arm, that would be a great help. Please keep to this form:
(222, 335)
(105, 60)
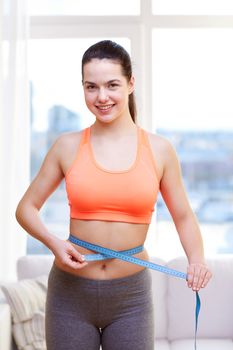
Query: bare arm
(174, 195)
(27, 213)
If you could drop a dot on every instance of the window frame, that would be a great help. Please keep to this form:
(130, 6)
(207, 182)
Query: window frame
(139, 30)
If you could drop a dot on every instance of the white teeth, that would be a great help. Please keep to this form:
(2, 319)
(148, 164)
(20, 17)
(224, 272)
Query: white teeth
(105, 107)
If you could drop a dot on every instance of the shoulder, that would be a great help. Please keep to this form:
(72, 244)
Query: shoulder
(67, 142)
(64, 148)
(164, 154)
(161, 147)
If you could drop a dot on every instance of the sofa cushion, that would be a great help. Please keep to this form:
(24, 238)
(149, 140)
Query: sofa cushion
(5, 327)
(202, 344)
(216, 302)
(30, 334)
(162, 344)
(25, 297)
(27, 303)
(31, 266)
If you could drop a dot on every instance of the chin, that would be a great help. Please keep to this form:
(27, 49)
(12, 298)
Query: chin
(108, 118)
(106, 121)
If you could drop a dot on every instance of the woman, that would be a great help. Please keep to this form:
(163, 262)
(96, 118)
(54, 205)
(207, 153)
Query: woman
(113, 172)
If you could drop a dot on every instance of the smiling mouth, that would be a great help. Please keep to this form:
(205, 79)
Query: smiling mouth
(105, 108)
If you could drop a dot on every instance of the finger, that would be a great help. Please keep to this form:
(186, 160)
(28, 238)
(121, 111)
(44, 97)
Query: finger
(193, 276)
(76, 264)
(202, 273)
(190, 275)
(75, 255)
(73, 262)
(196, 278)
(66, 263)
(208, 276)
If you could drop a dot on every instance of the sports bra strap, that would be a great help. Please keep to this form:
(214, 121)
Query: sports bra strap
(144, 138)
(85, 135)
(146, 143)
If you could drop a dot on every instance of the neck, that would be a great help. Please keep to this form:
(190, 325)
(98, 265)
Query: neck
(117, 126)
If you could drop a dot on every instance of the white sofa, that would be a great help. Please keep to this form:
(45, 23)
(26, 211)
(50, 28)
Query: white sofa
(174, 305)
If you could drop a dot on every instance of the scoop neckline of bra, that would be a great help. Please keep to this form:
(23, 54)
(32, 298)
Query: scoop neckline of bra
(99, 166)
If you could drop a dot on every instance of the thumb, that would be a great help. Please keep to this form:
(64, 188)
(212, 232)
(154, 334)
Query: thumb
(75, 255)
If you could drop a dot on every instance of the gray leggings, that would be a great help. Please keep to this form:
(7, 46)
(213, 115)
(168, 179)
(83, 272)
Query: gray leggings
(82, 313)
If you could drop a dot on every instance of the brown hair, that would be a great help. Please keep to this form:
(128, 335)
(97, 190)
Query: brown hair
(113, 51)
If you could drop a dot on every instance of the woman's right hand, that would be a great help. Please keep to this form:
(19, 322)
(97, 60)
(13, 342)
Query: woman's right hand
(67, 257)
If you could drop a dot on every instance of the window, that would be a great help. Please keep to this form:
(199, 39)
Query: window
(193, 7)
(183, 89)
(192, 78)
(84, 7)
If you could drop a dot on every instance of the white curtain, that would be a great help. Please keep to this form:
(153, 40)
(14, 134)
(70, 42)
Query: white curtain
(14, 130)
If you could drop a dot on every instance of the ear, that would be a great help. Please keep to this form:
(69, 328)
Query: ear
(131, 85)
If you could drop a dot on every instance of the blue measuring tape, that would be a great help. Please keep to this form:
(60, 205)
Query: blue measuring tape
(126, 255)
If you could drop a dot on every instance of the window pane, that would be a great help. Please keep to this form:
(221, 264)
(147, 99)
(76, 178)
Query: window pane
(192, 7)
(192, 89)
(57, 106)
(84, 7)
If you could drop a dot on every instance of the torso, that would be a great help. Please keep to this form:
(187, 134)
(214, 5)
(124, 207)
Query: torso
(113, 235)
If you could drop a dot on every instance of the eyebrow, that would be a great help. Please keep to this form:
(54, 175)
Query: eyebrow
(108, 82)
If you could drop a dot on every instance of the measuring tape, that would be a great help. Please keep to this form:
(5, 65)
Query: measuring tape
(126, 255)
(103, 256)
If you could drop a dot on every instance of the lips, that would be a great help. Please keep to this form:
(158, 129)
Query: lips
(105, 107)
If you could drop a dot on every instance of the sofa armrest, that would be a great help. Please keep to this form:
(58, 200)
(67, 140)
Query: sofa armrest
(5, 327)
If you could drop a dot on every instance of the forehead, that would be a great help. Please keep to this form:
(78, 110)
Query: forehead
(102, 70)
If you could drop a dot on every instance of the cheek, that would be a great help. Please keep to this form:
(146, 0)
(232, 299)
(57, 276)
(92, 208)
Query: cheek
(120, 97)
(123, 98)
(89, 99)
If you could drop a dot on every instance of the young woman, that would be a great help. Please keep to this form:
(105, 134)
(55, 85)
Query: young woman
(113, 172)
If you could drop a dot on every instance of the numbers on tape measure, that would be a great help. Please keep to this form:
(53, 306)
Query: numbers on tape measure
(121, 255)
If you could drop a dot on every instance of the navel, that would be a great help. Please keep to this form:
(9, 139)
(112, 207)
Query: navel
(103, 266)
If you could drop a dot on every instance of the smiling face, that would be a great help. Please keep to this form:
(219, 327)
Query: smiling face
(106, 89)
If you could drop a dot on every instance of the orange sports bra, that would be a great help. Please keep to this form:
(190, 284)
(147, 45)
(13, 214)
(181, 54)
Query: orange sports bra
(95, 193)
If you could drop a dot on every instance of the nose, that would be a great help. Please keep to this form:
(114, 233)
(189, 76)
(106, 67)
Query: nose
(102, 96)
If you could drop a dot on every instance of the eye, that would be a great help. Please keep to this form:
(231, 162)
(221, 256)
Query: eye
(90, 87)
(113, 85)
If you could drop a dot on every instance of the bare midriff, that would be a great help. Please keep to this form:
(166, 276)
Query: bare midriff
(114, 235)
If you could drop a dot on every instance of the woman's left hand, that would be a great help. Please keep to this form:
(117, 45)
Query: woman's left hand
(198, 275)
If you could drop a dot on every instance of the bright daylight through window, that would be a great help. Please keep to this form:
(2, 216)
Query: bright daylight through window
(188, 72)
(192, 77)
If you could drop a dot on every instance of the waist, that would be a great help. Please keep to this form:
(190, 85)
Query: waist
(104, 255)
(106, 267)
(110, 234)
